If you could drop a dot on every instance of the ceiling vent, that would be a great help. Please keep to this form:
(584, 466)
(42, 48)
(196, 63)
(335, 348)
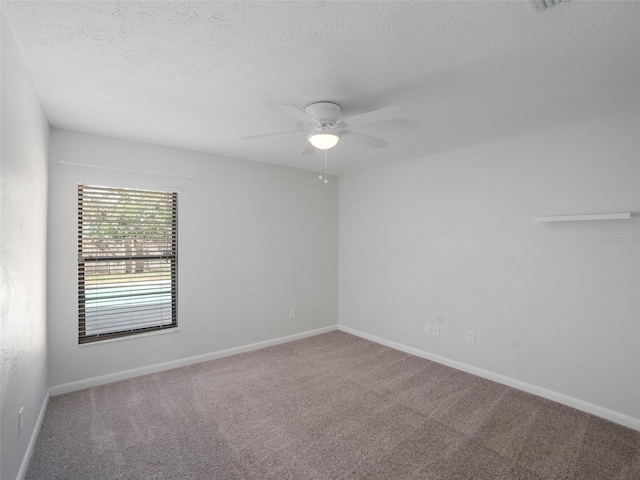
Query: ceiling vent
(542, 5)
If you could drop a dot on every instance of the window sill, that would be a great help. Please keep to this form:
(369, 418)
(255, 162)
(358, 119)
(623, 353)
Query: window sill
(130, 337)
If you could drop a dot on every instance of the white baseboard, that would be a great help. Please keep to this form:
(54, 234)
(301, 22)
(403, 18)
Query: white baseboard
(34, 436)
(160, 367)
(587, 407)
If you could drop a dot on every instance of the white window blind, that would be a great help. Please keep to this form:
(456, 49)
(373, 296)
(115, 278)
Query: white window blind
(127, 261)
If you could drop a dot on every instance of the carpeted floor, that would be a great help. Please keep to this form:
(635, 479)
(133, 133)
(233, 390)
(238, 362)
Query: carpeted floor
(333, 406)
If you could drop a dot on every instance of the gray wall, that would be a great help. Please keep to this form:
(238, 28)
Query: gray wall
(449, 239)
(23, 236)
(255, 240)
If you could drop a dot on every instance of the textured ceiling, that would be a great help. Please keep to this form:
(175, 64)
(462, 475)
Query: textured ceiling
(200, 75)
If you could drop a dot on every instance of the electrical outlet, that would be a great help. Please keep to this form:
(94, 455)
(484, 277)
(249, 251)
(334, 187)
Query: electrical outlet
(292, 314)
(436, 330)
(20, 420)
(471, 337)
(427, 328)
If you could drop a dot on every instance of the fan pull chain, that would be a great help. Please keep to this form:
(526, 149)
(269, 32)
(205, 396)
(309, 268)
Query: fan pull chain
(325, 177)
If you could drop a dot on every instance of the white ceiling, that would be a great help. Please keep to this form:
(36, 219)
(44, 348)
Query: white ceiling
(200, 75)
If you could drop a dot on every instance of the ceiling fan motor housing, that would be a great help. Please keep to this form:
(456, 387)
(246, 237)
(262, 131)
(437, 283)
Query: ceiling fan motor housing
(326, 113)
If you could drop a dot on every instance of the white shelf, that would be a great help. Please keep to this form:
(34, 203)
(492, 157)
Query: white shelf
(583, 218)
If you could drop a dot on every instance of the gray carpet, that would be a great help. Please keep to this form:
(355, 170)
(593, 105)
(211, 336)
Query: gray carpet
(333, 406)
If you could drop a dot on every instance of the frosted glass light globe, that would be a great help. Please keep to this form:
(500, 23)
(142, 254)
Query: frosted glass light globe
(323, 141)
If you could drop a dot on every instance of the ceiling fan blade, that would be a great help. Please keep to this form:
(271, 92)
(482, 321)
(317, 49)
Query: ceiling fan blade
(374, 142)
(381, 115)
(296, 112)
(273, 134)
(308, 149)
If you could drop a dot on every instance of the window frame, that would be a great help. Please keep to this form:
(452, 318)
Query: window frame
(170, 256)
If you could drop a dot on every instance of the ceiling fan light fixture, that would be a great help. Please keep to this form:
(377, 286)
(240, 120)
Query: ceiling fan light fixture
(323, 141)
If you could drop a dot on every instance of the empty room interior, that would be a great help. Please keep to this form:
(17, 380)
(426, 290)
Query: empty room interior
(320, 240)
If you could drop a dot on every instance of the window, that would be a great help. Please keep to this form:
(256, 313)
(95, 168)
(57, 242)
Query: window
(127, 262)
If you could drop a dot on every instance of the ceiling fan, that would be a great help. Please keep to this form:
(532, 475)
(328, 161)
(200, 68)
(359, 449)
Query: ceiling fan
(326, 127)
